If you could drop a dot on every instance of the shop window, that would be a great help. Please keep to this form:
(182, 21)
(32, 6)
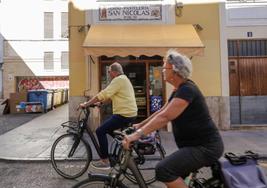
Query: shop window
(155, 88)
(146, 77)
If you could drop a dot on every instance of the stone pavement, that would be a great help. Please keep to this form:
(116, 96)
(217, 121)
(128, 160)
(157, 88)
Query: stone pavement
(33, 140)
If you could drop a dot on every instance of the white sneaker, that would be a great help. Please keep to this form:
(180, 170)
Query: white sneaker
(100, 165)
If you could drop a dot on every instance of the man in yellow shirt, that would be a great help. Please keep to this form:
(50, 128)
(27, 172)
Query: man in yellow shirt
(120, 91)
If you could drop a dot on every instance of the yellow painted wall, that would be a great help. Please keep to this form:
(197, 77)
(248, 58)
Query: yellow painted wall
(206, 69)
(206, 73)
(77, 71)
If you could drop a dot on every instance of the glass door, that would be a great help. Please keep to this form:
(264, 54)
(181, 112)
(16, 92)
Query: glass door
(155, 87)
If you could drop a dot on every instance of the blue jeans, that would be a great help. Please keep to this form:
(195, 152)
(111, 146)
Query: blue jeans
(113, 123)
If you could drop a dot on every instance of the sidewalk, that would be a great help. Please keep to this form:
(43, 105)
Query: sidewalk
(33, 140)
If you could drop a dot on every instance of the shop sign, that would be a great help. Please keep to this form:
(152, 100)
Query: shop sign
(137, 12)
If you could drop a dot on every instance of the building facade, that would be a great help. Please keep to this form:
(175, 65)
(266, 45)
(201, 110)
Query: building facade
(106, 31)
(35, 45)
(244, 60)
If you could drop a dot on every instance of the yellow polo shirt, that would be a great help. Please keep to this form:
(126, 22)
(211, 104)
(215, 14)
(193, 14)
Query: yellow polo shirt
(121, 92)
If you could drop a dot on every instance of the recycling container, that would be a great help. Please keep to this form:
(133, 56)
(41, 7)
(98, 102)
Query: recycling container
(42, 96)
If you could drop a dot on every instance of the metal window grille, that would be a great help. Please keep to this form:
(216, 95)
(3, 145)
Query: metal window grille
(247, 48)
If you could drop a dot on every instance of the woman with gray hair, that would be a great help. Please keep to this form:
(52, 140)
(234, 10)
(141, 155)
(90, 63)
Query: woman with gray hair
(195, 133)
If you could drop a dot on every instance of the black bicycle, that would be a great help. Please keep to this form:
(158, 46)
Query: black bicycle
(71, 154)
(124, 162)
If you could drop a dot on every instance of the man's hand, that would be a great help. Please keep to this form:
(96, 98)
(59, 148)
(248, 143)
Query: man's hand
(98, 104)
(82, 105)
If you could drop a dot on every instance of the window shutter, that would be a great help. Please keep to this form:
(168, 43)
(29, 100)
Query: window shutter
(49, 60)
(64, 60)
(48, 25)
(64, 25)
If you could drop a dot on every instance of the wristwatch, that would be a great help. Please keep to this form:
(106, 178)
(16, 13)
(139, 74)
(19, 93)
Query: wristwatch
(140, 133)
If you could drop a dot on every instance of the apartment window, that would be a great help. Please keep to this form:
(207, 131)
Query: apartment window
(48, 25)
(49, 60)
(64, 25)
(64, 60)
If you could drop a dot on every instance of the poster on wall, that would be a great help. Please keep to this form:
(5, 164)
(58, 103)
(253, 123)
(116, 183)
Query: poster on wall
(127, 12)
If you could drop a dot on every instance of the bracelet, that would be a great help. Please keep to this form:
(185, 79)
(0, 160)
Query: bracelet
(140, 133)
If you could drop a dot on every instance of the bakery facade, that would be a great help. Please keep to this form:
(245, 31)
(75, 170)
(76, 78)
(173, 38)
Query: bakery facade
(138, 34)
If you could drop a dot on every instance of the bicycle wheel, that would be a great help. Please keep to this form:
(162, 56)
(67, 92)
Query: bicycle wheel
(70, 156)
(98, 181)
(147, 165)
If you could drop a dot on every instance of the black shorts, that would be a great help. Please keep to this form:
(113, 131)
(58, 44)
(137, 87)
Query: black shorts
(188, 159)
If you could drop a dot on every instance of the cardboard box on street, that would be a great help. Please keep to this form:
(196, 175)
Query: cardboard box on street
(15, 99)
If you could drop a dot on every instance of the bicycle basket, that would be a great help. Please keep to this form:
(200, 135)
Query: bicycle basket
(145, 148)
(146, 145)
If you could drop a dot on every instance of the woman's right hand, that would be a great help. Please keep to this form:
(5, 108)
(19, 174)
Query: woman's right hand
(128, 139)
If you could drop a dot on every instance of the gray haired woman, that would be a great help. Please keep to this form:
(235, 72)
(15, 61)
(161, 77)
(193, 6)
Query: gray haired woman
(195, 133)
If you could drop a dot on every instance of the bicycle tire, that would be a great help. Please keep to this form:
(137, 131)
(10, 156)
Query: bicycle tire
(98, 181)
(148, 170)
(76, 165)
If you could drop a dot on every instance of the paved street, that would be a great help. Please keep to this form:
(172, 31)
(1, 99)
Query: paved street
(25, 150)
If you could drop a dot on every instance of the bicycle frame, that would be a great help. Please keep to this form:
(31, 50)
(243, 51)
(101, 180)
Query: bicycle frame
(83, 126)
(127, 162)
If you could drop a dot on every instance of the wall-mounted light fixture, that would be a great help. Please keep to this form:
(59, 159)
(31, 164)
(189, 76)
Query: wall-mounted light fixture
(178, 8)
(198, 27)
(81, 28)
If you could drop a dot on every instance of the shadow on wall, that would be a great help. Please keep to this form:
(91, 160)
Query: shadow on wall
(18, 76)
(1, 64)
(13, 67)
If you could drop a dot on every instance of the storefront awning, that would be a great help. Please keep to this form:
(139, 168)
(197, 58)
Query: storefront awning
(136, 40)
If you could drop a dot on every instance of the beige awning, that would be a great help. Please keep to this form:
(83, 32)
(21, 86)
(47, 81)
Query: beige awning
(136, 40)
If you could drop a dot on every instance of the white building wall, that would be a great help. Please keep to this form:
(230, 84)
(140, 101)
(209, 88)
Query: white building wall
(237, 19)
(22, 26)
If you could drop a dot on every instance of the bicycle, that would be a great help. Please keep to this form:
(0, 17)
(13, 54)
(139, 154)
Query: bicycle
(125, 161)
(71, 154)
